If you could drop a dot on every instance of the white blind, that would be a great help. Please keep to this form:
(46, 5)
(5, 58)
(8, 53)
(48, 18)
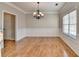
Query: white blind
(73, 22)
(69, 23)
(65, 23)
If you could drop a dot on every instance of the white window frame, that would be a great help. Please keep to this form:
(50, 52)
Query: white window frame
(68, 34)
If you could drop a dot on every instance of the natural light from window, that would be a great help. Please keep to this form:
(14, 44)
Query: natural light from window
(69, 24)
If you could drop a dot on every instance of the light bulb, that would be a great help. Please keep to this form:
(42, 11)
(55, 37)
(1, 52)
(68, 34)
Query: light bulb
(42, 14)
(35, 13)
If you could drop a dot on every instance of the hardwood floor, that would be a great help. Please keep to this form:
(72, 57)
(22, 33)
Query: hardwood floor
(9, 48)
(38, 47)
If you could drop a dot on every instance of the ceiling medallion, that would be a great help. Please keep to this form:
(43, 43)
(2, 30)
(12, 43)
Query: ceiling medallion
(37, 14)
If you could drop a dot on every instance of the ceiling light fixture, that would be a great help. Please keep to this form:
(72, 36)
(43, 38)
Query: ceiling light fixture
(56, 4)
(38, 14)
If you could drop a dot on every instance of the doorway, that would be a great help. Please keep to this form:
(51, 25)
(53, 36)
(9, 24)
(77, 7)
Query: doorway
(9, 34)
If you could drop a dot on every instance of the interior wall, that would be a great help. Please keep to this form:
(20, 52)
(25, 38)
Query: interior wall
(45, 26)
(67, 8)
(20, 19)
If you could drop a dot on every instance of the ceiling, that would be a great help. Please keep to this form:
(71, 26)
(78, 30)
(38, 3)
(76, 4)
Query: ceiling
(43, 6)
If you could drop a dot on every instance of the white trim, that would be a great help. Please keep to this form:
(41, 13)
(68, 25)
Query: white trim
(37, 32)
(67, 42)
(8, 12)
(54, 12)
(14, 6)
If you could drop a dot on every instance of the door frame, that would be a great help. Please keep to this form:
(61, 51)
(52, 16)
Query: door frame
(4, 11)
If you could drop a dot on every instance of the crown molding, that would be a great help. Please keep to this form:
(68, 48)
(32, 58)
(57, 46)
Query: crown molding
(53, 12)
(14, 6)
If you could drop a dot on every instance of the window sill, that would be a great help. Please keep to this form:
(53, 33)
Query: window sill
(71, 36)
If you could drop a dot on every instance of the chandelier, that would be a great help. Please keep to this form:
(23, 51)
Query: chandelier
(38, 14)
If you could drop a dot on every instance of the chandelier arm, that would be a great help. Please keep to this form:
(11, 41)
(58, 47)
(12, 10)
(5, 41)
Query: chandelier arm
(38, 14)
(38, 5)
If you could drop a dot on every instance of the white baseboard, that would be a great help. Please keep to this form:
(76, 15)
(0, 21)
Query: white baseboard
(67, 41)
(37, 32)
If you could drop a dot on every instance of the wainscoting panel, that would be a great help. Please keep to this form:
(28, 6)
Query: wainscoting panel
(37, 32)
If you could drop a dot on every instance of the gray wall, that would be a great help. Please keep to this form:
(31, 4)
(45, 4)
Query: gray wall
(20, 20)
(45, 26)
(67, 8)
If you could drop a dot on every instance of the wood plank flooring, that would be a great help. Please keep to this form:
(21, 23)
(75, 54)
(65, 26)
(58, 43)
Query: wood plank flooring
(9, 48)
(38, 47)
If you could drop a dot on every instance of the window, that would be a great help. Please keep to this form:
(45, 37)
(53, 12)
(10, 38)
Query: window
(73, 23)
(69, 24)
(65, 24)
